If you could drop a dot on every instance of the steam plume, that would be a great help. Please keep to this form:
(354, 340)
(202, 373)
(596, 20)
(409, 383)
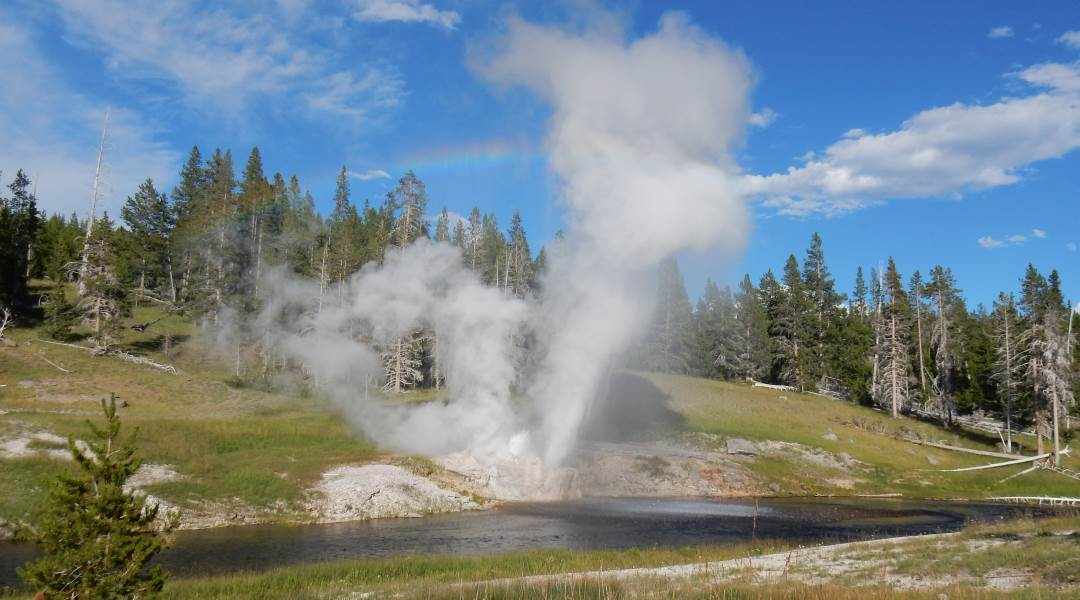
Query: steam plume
(640, 137)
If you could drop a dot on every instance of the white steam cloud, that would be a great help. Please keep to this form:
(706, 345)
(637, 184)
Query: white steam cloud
(425, 286)
(640, 137)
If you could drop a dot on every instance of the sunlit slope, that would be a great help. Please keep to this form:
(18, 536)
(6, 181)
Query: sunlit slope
(713, 411)
(231, 442)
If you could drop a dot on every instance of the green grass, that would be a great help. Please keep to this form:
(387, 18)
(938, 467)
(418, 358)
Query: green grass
(439, 576)
(1035, 546)
(229, 443)
(408, 573)
(723, 410)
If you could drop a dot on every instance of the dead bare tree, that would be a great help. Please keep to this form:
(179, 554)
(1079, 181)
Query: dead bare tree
(402, 364)
(1008, 362)
(95, 195)
(1048, 369)
(917, 294)
(5, 320)
(895, 364)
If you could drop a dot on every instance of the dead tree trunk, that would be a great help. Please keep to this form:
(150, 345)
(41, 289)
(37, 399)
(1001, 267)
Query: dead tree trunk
(95, 194)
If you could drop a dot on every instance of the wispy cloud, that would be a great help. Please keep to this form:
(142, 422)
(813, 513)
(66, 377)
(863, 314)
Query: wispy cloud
(1070, 39)
(369, 174)
(54, 139)
(1017, 239)
(407, 11)
(938, 152)
(1070, 246)
(228, 59)
(1003, 31)
(763, 118)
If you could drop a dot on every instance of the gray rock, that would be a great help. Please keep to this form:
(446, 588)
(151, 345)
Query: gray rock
(932, 460)
(830, 436)
(741, 446)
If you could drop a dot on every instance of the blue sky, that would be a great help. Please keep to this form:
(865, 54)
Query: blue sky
(931, 132)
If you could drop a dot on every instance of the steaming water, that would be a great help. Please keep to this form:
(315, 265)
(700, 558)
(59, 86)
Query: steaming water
(588, 524)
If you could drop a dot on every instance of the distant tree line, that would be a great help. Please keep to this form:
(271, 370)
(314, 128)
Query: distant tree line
(908, 347)
(206, 248)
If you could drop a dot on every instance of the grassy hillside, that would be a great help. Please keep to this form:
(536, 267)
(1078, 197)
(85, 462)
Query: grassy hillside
(232, 444)
(893, 466)
(239, 446)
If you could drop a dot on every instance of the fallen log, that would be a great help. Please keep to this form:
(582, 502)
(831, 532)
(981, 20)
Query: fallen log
(131, 358)
(961, 449)
(1024, 472)
(42, 356)
(1007, 463)
(142, 360)
(772, 386)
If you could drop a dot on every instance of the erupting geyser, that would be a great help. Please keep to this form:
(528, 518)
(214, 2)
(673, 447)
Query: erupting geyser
(640, 139)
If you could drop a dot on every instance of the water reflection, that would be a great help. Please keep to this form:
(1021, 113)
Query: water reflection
(586, 524)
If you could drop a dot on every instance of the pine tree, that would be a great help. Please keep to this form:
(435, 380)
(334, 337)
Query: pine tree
(895, 374)
(458, 239)
(668, 343)
(821, 313)
(97, 539)
(717, 321)
(151, 221)
(519, 269)
(787, 328)
(442, 227)
(341, 196)
(858, 302)
(19, 225)
(410, 197)
(475, 239)
(945, 339)
(191, 203)
(754, 329)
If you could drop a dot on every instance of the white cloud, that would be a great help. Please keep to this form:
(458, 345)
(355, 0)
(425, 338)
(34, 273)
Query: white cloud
(854, 133)
(1070, 39)
(1003, 31)
(408, 11)
(1017, 239)
(54, 137)
(938, 152)
(763, 118)
(369, 175)
(221, 60)
(1070, 246)
(1055, 76)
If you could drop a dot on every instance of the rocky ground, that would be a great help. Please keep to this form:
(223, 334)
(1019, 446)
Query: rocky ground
(407, 487)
